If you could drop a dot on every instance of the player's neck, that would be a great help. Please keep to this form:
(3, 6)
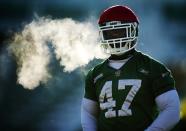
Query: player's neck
(123, 56)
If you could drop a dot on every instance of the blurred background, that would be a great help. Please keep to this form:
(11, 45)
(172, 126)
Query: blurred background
(56, 105)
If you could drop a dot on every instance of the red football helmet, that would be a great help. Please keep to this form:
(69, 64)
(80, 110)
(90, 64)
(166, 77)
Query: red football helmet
(118, 29)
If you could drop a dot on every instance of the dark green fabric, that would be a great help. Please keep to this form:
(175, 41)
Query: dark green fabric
(155, 80)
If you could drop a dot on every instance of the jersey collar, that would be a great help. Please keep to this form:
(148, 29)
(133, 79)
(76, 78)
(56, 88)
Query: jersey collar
(123, 56)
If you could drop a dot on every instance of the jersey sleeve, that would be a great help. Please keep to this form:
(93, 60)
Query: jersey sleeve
(90, 92)
(162, 79)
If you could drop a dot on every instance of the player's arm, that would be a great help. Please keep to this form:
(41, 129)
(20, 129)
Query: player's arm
(166, 99)
(89, 107)
(89, 112)
(169, 106)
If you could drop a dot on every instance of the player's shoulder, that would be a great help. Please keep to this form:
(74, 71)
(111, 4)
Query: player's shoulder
(154, 65)
(147, 59)
(94, 71)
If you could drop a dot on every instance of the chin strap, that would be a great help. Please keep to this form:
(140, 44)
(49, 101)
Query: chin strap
(122, 56)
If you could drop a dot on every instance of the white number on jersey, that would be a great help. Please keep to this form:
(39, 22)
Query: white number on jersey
(106, 92)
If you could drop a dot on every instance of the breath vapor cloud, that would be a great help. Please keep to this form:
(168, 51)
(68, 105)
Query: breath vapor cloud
(74, 43)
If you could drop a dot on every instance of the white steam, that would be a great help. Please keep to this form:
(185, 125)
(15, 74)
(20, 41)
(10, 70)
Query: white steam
(74, 43)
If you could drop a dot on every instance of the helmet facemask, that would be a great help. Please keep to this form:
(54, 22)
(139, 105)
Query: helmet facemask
(117, 37)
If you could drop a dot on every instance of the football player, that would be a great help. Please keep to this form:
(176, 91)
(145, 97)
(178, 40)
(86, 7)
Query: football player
(129, 91)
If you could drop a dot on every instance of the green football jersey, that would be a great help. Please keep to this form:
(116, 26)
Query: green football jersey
(126, 96)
